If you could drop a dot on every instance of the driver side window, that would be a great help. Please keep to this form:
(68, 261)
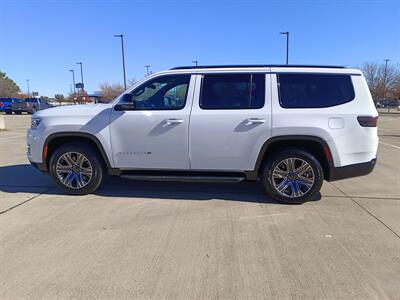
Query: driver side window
(162, 93)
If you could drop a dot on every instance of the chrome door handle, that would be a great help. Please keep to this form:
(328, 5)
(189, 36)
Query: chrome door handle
(254, 121)
(173, 121)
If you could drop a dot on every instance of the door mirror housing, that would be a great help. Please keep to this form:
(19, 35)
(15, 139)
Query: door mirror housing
(125, 103)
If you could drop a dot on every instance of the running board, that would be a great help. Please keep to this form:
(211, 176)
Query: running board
(184, 178)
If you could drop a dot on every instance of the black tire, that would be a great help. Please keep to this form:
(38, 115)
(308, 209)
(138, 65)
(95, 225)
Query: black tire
(95, 163)
(8, 112)
(18, 112)
(293, 192)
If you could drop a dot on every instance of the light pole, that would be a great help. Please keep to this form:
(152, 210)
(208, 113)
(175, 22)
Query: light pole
(123, 56)
(195, 62)
(287, 45)
(384, 82)
(147, 69)
(79, 63)
(27, 82)
(73, 79)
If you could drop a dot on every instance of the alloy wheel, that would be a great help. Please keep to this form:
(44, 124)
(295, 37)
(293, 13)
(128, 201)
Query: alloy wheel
(74, 170)
(293, 177)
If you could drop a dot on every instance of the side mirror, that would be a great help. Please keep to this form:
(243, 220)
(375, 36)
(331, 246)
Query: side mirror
(125, 103)
(124, 106)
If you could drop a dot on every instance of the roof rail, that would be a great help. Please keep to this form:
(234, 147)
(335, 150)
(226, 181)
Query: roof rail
(255, 66)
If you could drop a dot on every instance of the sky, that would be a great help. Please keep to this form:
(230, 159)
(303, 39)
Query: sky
(41, 40)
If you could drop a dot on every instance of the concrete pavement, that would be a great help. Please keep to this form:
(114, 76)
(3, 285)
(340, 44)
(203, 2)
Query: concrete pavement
(152, 240)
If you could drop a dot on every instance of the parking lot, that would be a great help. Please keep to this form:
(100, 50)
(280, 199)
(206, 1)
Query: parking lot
(152, 240)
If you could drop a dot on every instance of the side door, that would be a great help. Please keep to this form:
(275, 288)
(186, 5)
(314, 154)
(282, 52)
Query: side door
(150, 125)
(230, 121)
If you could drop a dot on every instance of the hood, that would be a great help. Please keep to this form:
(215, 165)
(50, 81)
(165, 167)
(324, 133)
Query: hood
(73, 110)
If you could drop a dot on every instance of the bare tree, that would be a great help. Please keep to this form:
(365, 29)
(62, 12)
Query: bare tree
(383, 82)
(110, 91)
(396, 87)
(132, 81)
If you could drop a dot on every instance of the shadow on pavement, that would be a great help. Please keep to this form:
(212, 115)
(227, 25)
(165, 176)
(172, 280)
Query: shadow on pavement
(25, 178)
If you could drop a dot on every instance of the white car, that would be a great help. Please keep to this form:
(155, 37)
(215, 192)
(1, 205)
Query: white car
(289, 127)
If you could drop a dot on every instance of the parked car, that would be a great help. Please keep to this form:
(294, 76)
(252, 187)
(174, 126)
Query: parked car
(289, 127)
(389, 103)
(6, 105)
(30, 105)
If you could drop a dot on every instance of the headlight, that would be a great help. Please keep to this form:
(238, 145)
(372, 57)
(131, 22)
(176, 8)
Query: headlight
(35, 122)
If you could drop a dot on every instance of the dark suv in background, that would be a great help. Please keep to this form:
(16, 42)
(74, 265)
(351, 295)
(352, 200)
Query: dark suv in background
(30, 105)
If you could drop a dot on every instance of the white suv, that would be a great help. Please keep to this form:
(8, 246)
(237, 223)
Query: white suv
(290, 127)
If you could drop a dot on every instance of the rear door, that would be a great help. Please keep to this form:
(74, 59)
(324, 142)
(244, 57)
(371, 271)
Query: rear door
(230, 121)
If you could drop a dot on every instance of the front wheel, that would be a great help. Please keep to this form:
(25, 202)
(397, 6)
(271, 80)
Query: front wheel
(292, 176)
(76, 169)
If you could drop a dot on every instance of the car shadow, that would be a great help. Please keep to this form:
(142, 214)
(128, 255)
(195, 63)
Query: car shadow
(24, 178)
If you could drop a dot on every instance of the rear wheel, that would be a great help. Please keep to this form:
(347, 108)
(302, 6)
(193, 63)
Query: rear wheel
(18, 112)
(76, 168)
(8, 112)
(292, 176)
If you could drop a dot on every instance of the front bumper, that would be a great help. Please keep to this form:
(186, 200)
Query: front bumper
(350, 171)
(42, 167)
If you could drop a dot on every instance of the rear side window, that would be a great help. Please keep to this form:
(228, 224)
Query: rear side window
(233, 91)
(314, 90)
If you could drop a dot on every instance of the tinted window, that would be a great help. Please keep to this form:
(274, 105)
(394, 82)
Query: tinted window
(162, 93)
(314, 90)
(233, 91)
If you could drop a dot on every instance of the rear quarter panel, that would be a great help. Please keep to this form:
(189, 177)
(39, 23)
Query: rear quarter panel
(338, 125)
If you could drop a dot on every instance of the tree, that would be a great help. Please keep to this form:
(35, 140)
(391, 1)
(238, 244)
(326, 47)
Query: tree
(396, 89)
(382, 82)
(8, 88)
(110, 91)
(59, 97)
(132, 81)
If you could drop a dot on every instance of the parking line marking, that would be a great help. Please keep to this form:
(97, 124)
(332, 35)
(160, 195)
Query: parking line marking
(23, 202)
(11, 137)
(390, 145)
(367, 211)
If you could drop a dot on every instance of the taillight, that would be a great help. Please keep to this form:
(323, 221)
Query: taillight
(1, 104)
(367, 121)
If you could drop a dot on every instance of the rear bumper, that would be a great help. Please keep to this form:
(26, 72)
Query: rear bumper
(350, 171)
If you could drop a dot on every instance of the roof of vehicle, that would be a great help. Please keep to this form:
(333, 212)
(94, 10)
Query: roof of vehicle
(256, 66)
(9, 99)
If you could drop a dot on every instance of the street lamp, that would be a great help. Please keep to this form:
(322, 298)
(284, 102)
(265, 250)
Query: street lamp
(384, 82)
(79, 63)
(195, 62)
(287, 45)
(27, 82)
(73, 79)
(147, 69)
(123, 56)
